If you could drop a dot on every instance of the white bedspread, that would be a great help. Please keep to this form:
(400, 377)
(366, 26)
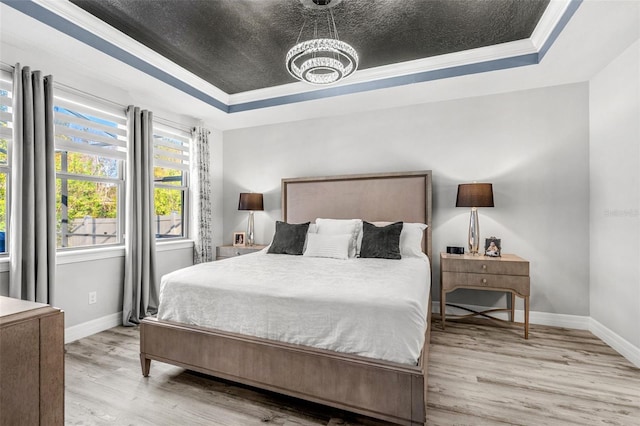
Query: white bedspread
(375, 308)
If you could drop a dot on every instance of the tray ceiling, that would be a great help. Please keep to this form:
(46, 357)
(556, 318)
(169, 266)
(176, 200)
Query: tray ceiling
(240, 45)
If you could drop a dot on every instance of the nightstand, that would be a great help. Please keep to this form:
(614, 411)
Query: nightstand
(508, 273)
(225, 252)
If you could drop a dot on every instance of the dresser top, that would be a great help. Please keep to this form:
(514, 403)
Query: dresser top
(10, 306)
(481, 258)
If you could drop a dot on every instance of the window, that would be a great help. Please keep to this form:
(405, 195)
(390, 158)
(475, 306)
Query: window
(90, 153)
(6, 128)
(170, 173)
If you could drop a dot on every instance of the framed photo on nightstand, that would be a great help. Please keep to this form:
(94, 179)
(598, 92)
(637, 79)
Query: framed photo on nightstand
(492, 247)
(239, 239)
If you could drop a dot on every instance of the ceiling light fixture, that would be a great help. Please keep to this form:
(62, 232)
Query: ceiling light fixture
(322, 60)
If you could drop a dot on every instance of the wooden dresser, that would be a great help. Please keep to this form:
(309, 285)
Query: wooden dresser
(224, 252)
(508, 273)
(31, 363)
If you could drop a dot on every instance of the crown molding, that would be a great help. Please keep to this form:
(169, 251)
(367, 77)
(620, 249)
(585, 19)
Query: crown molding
(549, 21)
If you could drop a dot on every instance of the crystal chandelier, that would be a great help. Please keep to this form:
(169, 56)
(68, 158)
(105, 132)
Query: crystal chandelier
(322, 60)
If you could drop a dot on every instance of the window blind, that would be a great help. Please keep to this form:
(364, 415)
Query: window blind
(170, 147)
(86, 126)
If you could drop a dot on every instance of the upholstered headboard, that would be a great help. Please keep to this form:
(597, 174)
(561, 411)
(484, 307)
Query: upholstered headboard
(404, 196)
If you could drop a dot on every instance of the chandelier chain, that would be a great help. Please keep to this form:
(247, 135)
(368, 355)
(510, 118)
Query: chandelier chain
(301, 29)
(335, 29)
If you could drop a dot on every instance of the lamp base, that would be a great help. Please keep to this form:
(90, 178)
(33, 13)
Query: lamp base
(250, 235)
(474, 232)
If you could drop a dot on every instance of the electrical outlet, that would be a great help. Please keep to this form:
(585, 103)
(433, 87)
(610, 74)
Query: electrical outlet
(93, 297)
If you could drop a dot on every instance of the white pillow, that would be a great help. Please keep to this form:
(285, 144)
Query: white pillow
(352, 227)
(410, 238)
(325, 245)
(312, 230)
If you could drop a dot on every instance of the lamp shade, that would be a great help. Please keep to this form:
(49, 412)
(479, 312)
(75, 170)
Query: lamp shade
(475, 195)
(250, 201)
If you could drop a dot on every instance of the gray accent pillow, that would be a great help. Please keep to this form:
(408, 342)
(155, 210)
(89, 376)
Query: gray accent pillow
(289, 238)
(381, 241)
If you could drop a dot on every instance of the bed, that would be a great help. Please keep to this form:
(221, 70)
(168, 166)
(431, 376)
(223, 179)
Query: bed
(392, 389)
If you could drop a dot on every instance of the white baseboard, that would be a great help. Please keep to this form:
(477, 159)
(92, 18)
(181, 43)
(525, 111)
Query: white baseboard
(577, 322)
(621, 345)
(88, 328)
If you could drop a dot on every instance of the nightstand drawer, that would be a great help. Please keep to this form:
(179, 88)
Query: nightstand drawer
(518, 283)
(224, 252)
(486, 266)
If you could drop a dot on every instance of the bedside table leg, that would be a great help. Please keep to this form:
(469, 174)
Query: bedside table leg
(526, 317)
(513, 307)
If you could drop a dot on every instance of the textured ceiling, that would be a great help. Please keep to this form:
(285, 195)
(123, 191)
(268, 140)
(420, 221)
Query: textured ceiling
(240, 45)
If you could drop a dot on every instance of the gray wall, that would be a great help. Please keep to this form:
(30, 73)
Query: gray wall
(4, 280)
(615, 195)
(76, 277)
(75, 280)
(532, 145)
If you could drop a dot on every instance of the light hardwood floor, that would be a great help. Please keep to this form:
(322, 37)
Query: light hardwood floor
(478, 375)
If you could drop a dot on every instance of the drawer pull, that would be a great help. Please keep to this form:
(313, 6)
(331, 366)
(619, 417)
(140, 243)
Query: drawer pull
(484, 281)
(484, 266)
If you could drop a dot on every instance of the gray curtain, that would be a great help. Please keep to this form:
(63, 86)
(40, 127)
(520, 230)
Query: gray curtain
(140, 287)
(201, 185)
(32, 224)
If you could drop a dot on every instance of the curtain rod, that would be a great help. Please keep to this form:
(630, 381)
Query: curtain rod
(6, 67)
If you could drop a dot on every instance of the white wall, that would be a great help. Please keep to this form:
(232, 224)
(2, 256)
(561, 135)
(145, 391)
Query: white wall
(532, 145)
(615, 195)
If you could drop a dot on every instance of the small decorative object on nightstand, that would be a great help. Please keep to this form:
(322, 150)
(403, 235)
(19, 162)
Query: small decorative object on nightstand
(225, 252)
(239, 239)
(492, 247)
(508, 273)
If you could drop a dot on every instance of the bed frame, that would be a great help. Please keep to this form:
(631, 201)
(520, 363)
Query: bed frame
(384, 390)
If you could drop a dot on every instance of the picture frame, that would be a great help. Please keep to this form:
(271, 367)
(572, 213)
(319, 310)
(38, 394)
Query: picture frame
(492, 247)
(239, 239)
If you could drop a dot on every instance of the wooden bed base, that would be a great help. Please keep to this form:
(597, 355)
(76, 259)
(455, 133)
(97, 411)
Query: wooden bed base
(384, 390)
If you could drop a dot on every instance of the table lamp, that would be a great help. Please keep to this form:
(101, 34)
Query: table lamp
(474, 195)
(253, 202)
